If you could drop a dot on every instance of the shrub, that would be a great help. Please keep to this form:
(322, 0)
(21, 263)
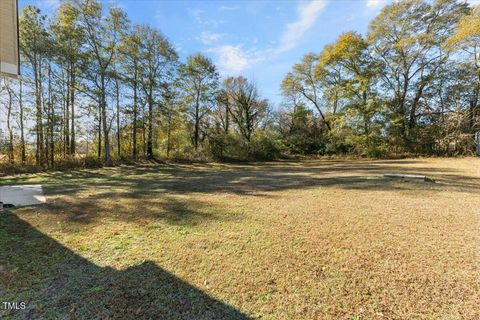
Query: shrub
(265, 145)
(7, 168)
(92, 162)
(371, 145)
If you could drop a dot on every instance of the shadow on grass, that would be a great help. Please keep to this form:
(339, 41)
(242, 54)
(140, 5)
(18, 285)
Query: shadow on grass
(163, 192)
(56, 283)
(132, 207)
(249, 179)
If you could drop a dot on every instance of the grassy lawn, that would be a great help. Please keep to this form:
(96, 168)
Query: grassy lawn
(319, 239)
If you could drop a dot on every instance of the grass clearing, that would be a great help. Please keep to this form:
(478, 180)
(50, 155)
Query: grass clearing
(319, 239)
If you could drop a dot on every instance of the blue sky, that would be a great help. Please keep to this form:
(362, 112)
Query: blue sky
(258, 39)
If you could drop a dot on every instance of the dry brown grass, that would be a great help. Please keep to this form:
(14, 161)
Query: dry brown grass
(319, 239)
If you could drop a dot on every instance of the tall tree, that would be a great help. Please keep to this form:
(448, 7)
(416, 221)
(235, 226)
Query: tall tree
(8, 87)
(131, 71)
(103, 36)
(130, 50)
(467, 38)
(33, 46)
(411, 54)
(222, 112)
(303, 82)
(246, 108)
(69, 38)
(350, 74)
(158, 60)
(199, 78)
(21, 120)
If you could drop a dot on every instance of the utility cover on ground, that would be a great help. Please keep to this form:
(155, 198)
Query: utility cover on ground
(23, 195)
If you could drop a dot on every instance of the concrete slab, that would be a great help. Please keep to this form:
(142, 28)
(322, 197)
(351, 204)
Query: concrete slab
(23, 195)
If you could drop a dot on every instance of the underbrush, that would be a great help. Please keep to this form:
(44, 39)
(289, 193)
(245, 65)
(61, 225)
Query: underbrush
(261, 149)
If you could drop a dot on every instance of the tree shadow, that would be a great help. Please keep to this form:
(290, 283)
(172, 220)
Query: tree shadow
(254, 178)
(132, 207)
(56, 283)
(165, 192)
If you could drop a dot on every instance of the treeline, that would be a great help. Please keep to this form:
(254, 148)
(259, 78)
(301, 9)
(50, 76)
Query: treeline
(411, 85)
(97, 88)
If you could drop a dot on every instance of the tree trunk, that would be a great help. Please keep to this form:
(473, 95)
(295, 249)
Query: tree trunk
(66, 121)
(197, 120)
(72, 115)
(39, 154)
(144, 138)
(135, 111)
(366, 118)
(22, 136)
(150, 126)
(412, 117)
(169, 132)
(474, 106)
(227, 116)
(51, 117)
(108, 160)
(9, 127)
(99, 152)
(117, 96)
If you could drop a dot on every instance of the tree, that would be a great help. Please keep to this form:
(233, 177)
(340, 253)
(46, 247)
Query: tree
(246, 107)
(350, 70)
(199, 78)
(300, 129)
(349, 76)
(130, 57)
(303, 82)
(34, 46)
(69, 38)
(411, 54)
(172, 113)
(22, 123)
(222, 111)
(157, 63)
(103, 35)
(467, 38)
(8, 87)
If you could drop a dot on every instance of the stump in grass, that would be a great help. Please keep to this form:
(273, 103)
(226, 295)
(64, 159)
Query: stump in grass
(409, 176)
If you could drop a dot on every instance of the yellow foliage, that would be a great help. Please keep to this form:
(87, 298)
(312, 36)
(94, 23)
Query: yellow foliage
(467, 33)
(347, 46)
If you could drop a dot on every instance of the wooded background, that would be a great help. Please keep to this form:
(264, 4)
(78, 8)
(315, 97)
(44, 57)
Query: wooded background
(97, 89)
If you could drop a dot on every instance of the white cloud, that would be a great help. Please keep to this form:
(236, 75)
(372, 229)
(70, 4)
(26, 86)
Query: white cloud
(228, 8)
(208, 37)
(307, 15)
(232, 59)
